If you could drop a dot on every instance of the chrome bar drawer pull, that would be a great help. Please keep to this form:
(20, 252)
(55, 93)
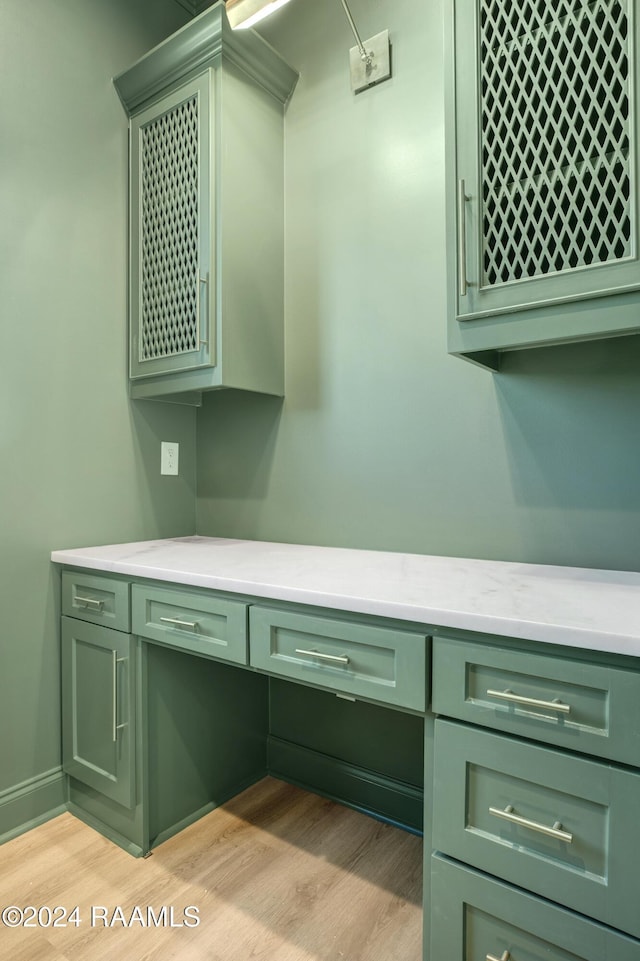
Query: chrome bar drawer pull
(205, 281)
(335, 658)
(531, 701)
(556, 831)
(88, 601)
(116, 727)
(176, 622)
(505, 956)
(462, 239)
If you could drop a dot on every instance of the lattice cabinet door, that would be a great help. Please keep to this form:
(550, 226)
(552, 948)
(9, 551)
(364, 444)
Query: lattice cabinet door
(546, 97)
(171, 237)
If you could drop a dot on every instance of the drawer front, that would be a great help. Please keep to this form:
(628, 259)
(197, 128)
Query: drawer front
(100, 600)
(559, 825)
(584, 707)
(476, 917)
(199, 623)
(356, 659)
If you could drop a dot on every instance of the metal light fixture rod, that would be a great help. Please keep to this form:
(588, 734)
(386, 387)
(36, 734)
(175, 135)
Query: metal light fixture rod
(366, 57)
(370, 64)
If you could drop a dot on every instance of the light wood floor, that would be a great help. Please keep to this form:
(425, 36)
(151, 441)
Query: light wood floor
(277, 874)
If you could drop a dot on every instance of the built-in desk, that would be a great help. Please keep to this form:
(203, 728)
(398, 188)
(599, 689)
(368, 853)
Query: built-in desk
(193, 666)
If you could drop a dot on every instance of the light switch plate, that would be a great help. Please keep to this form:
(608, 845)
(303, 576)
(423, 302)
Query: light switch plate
(168, 457)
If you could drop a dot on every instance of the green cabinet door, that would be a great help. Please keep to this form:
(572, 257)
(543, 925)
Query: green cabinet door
(98, 708)
(171, 215)
(543, 201)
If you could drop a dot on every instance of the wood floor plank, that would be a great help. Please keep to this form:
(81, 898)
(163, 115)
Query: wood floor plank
(276, 874)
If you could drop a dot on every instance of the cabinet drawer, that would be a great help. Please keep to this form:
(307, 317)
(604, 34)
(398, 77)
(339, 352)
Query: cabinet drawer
(100, 600)
(475, 916)
(560, 825)
(358, 659)
(584, 707)
(200, 623)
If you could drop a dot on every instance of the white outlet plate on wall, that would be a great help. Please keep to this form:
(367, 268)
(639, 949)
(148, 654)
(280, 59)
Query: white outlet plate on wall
(168, 457)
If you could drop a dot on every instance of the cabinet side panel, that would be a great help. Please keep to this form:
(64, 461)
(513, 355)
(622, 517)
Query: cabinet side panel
(250, 234)
(207, 727)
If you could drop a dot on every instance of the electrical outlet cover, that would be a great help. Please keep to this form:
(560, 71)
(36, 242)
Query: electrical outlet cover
(168, 457)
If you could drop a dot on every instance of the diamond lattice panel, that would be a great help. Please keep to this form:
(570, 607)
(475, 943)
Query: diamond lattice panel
(555, 136)
(169, 233)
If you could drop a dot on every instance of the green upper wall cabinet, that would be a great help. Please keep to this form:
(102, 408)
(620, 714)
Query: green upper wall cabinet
(542, 111)
(206, 302)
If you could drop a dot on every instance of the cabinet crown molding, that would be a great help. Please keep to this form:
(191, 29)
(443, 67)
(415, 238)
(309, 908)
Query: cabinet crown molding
(195, 6)
(204, 42)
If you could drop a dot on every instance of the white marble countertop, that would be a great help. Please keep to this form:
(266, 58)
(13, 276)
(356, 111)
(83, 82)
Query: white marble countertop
(579, 607)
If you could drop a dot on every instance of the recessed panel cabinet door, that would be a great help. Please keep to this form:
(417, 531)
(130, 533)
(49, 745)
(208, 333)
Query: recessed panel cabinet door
(98, 715)
(171, 215)
(546, 96)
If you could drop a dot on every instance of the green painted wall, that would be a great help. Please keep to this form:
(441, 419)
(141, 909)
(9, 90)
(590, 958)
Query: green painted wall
(80, 464)
(383, 441)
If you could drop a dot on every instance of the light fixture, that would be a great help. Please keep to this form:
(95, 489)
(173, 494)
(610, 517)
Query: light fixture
(369, 62)
(245, 13)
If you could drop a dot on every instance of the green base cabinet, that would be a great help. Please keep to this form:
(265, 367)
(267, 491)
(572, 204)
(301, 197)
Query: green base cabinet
(152, 738)
(535, 788)
(206, 304)
(98, 683)
(530, 752)
(542, 112)
(203, 719)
